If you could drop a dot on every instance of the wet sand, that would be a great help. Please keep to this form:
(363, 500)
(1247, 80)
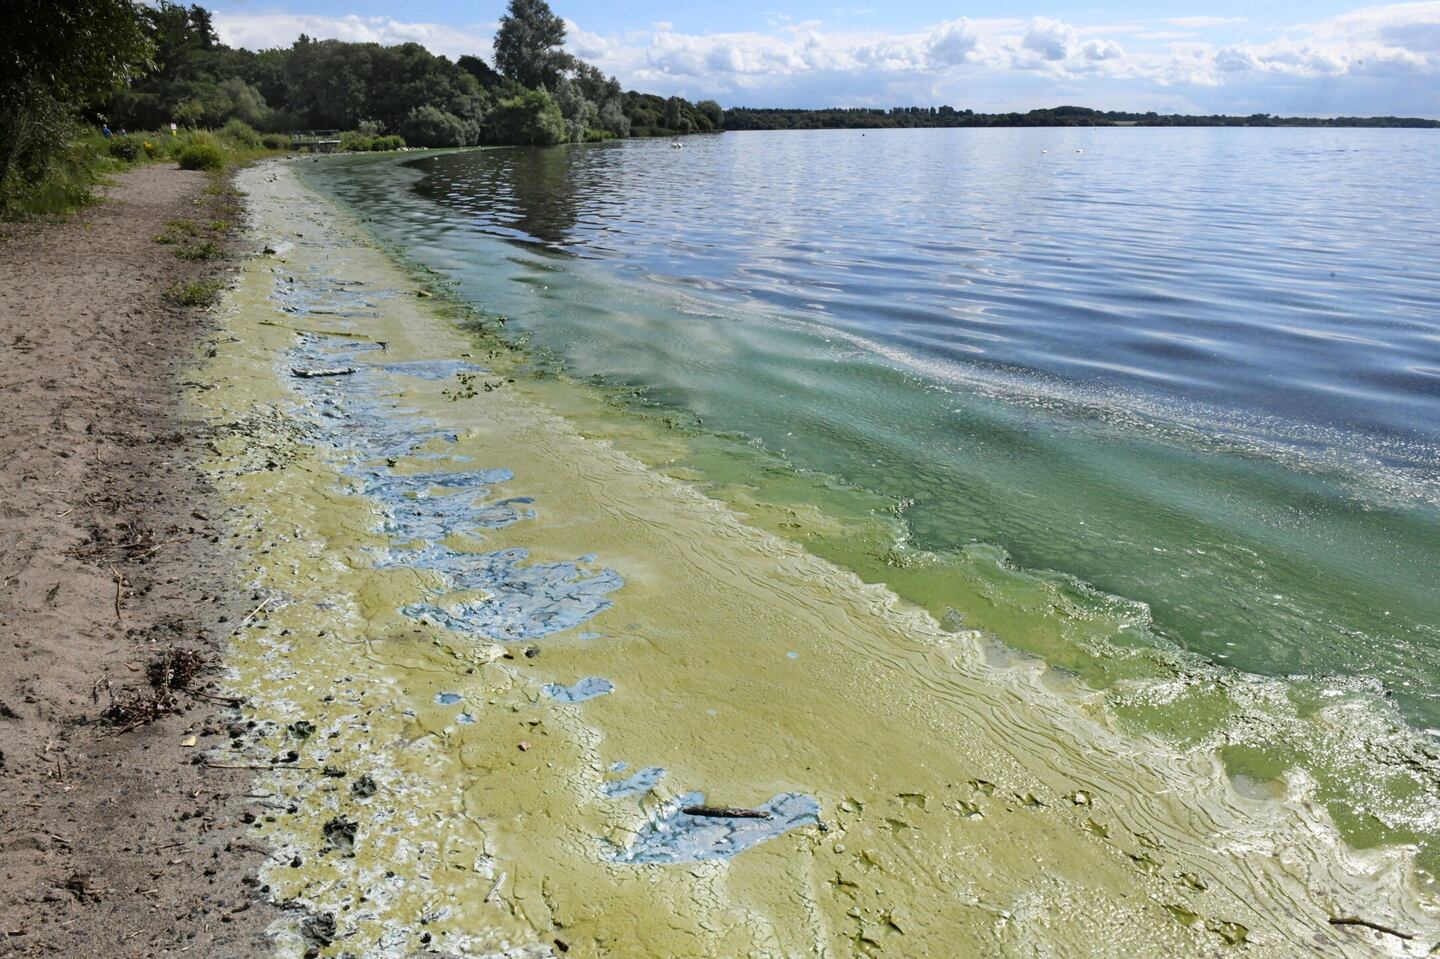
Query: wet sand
(496, 660)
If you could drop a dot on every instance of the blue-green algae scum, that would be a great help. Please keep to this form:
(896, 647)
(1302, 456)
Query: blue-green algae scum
(571, 542)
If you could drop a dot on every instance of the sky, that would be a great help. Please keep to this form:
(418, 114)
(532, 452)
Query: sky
(1320, 58)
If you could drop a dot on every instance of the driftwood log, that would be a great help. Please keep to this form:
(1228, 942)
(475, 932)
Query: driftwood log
(311, 374)
(725, 812)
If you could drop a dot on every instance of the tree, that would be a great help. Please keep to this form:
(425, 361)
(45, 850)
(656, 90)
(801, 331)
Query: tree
(429, 126)
(677, 116)
(531, 118)
(527, 44)
(711, 111)
(481, 71)
(54, 58)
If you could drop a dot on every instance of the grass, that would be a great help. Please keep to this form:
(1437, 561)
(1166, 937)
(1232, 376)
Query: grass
(205, 250)
(202, 156)
(87, 160)
(194, 293)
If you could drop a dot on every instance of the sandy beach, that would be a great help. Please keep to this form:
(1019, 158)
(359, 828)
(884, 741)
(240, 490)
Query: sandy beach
(112, 843)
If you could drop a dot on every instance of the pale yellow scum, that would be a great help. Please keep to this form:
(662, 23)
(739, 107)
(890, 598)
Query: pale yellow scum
(970, 805)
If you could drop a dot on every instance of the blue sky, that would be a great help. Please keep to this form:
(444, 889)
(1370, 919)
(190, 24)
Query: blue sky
(1322, 57)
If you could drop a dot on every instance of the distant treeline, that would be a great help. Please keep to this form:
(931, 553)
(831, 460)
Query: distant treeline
(860, 118)
(535, 94)
(142, 65)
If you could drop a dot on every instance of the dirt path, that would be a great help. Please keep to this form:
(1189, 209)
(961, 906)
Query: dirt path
(112, 844)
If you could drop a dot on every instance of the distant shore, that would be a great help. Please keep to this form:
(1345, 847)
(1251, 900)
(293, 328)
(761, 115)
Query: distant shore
(871, 118)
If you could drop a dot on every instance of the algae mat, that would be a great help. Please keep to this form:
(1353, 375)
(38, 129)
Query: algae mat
(493, 663)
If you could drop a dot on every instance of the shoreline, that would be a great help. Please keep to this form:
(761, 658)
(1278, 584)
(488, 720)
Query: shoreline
(514, 828)
(621, 361)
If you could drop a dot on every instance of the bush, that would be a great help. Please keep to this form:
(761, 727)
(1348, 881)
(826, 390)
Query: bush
(128, 148)
(202, 156)
(354, 140)
(429, 126)
(360, 141)
(241, 134)
(195, 293)
(593, 135)
(274, 141)
(532, 117)
(206, 250)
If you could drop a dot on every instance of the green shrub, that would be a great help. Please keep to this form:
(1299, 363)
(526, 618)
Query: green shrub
(593, 135)
(241, 134)
(430, 126)
(531, 117)
(360, 141)
(274, 141)
(194, 293)
(208, 250)
(202, 138)
(169, 145)
(202, 156)
(129, 148)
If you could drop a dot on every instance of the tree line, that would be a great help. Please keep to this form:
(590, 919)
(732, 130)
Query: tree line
(536, 92)
(864, 118)
(137, 64)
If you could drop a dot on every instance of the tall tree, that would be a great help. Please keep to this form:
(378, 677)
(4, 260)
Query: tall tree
(527, 45)
(53, 58)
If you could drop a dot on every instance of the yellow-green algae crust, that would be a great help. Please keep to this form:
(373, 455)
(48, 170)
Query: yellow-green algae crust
(968, 807)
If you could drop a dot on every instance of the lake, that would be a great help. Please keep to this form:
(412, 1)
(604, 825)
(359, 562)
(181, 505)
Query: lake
(1157, 407)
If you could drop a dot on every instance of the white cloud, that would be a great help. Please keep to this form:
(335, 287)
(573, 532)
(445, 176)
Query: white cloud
(1378, 59)
(259, 31)
(1101, 50)
(1203, 23)
(952, 43)
(1051, 39)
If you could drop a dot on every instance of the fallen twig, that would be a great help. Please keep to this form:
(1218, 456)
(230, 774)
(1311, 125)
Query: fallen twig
(214, 698)
(1357, 921)
(253, 613)
(725, 812)
(260, 766)
(310, 374)
(119, 582)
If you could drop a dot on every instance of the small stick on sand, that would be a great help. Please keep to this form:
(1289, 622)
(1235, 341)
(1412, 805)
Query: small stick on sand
(310, 374)
(119, 581)
(253, 613)
(1357, 921)
(258, 766)
(725, 812)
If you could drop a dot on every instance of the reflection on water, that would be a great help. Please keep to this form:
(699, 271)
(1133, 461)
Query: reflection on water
(1191, 372)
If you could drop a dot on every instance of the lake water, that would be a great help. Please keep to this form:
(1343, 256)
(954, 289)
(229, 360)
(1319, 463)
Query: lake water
(1160, 407)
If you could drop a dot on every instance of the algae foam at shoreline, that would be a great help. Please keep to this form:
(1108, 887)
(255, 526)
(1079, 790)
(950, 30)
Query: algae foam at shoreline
(1027, 403)
(896, 782)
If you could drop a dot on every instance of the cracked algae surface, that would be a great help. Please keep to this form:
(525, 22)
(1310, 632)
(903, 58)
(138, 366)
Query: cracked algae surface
(435, 553)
